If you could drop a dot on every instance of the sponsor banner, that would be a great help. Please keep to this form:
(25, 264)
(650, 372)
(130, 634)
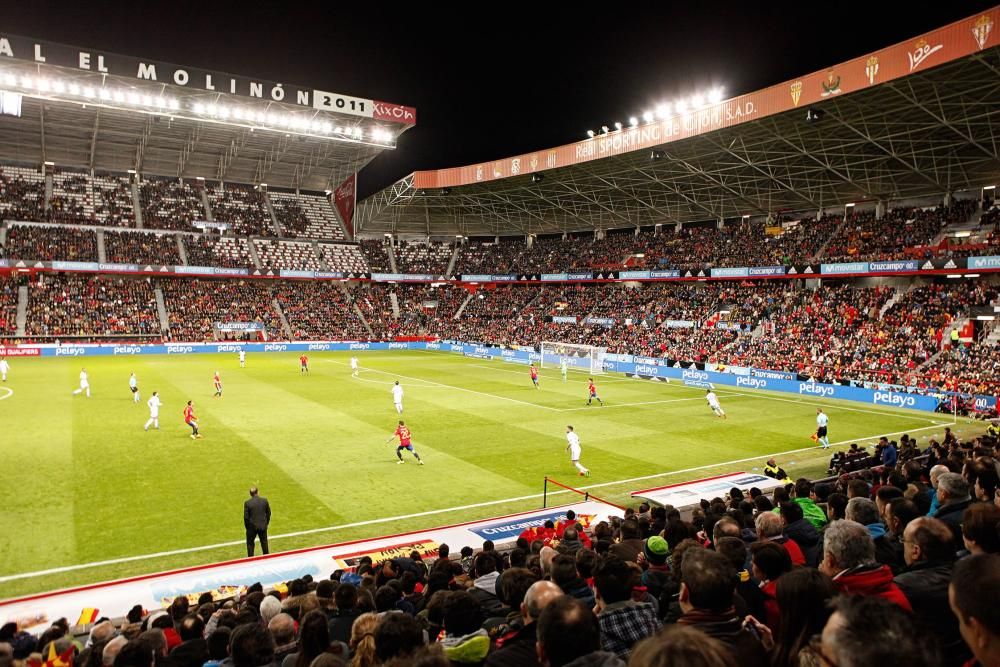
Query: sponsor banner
(619, 358)
(990, 262)
(239, 326)
(730, 272)
(402, 277)
(156, 591)
(74, 266)
(634, 275)
(288, 273)
(729, 326)
(581, 275)
(665, 274)
(211, 271)
(477, 278)
(554, 276)
(921, 52)
(345, 198)
(679, 324)
(687, 496)
(733, 370)
(601, 321)
(205, 224)
(894, 267)
(804, 270)
(20, 352)
(394, 112)
(984, 403)
(118, 267)
(563, 319)
(851, 267)
(767, 271)
(225, 271)
(772, 375)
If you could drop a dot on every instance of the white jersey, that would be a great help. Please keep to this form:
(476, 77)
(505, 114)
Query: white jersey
(83, 379)
(4, 366)
(154, 406)
(713, 400)
(574, 445)
(243, 356)
(354, 363)
(822, 420)
(133, 382)
(397, 393)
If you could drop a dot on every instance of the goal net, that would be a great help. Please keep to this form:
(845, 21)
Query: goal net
(586, 358)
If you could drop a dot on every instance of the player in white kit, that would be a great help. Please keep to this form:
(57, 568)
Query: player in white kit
(573, 447)
(713, 402)
(243, 359)
(354, 367)
(154, 412)
(397, 397)
(84, 384)
(133, 386)
(4, 367)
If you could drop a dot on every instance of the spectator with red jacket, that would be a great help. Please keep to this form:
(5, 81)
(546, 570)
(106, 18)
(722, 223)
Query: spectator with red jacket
(849, 559)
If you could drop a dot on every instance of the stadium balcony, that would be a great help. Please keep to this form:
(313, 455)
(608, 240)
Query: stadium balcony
(112, 200)
(22, 194)
(170, 204)
(72, 199)
(343, 257)
(478, 256)
(243, 208)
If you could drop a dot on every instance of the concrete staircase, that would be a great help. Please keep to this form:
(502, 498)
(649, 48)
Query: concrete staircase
(49, 185)
(357, 311)
(281, 316)
(395, 302)
(451, 263)
(137, 206)
(21, 320)
(274, 218)
(181, 250)
(252, 250)
(161, 310)
(319, 256)
(893, 300)
(208, 207)
(102, 253)
(461, 309)
(822, 249)
(390, 250)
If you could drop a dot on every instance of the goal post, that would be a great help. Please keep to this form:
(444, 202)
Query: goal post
(587, 358)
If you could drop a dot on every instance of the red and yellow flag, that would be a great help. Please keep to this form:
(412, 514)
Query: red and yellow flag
(87, 616)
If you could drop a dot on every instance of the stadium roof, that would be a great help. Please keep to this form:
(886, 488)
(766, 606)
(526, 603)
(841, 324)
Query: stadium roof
(98, 110)
(913, 119)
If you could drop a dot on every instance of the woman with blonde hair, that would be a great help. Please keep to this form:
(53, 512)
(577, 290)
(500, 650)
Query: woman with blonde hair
(363, 640)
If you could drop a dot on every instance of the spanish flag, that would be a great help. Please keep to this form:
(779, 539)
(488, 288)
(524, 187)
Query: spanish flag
(64, 659)
(87, 616)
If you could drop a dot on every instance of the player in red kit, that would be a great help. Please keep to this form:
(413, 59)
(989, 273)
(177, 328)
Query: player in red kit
(403, 433)
(303, 364)
(191, 420)
(592, 392)
(534, 375)
(218, 384)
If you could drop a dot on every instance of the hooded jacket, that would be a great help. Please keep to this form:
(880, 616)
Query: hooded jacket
(808, 538)
(469, 649)
(812, 512)
(872, 579)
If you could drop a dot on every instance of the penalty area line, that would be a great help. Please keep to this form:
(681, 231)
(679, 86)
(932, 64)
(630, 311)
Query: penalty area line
(10, 392)
(415, 515)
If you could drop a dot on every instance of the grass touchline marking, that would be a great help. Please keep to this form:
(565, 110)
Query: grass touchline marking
(356, 524)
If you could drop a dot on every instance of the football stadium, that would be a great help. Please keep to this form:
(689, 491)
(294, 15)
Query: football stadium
(716, 384)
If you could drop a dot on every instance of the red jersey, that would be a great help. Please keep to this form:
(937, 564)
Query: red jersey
(533, 371)
(591, 388)
(303, 360)
(403, 433)
(189, 415)
(217, 379)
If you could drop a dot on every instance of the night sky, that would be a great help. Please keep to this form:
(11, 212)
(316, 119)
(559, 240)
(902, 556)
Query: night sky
(491, 80)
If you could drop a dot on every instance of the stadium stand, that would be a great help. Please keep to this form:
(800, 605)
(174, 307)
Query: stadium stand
(37, 242)
(170, 204)
(242, 207)
(215, 250)
(72, 199)
(343, 257)
(286, 255)
(319, 311)
(194, 306)
(22, 194)
(8, 305)
(141, 248)
(112, 200)
(306, 215)
(420, 257)
(375, 251)
(91, 308)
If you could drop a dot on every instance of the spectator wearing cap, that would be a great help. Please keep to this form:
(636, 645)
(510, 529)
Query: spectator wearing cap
(622, 620)
(770, 528)
(849, 559)
(656, 577)
(929, 551)
(972, 596)
(517, 649)
(708, 587)
(953, 499)
(569, 635)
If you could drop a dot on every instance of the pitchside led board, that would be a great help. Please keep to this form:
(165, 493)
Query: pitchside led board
(892, 396)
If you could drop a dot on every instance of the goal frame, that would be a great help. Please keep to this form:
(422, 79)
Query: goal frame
(587, 358)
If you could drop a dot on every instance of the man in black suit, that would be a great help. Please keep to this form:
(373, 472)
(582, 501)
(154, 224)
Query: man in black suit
(256, 517)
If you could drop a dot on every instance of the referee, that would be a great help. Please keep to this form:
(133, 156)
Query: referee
(821, 421)
(256, 517)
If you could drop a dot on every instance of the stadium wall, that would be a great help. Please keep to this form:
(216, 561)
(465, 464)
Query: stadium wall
(636, 366)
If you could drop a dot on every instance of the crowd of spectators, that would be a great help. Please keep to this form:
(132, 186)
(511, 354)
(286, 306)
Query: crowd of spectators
(376, 252)
(319, 311)
(214, 250)
(243, 208)
(70, 203)
(423, 257)
(141, 248)
(113, 202)
(170, 205)
(22, 194)
(291, 218)
(899, 564)
(81, 306)
(9, 285)
(194, 306)
(33, 242)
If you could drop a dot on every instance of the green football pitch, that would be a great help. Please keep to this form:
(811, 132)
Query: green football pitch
(89, 496)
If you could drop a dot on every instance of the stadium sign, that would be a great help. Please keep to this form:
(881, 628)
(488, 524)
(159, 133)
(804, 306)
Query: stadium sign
(766, 271)
(664, 274)
(851, 267)
(402, 277)
(894, 267)
(105, 63)
(992, 262)
(239, 326)
(730, 272)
